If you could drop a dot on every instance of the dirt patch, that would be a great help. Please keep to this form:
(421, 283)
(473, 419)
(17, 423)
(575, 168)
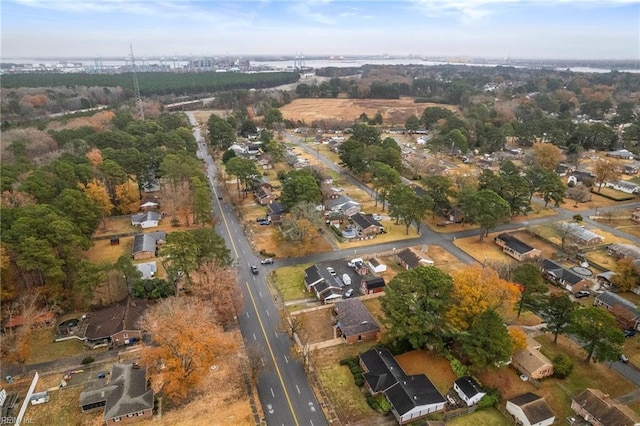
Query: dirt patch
(317, 325)
(434, 366)
(394, 111)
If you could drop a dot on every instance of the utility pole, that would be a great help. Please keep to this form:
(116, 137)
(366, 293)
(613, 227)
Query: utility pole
(136, 87)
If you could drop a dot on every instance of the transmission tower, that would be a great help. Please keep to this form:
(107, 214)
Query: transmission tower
(136, 87)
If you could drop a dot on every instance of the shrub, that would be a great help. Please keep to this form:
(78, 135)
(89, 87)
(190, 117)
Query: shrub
(577, 217)
(175, 222)
(458, 368)
(359, 382)
(562, 366)
(355, 369)
(87, 360)
(490, 399)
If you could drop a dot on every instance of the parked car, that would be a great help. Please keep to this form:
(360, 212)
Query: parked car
(254, 270)
(262, 219)
(267, 261)
(264, 222)
(377, 217)
(348, 294)
(331, 271)
(629, 332)
(354, 262)
(581, 294)
(219, 197)
(623, 358)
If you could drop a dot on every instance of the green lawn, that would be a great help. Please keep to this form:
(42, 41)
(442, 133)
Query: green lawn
(289, 281)
(43, 348)
(487, 417)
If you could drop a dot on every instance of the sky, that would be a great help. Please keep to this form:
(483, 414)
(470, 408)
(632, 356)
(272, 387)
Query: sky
(545, 29)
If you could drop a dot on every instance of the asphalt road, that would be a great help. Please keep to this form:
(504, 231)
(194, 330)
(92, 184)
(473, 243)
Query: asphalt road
(284, 391)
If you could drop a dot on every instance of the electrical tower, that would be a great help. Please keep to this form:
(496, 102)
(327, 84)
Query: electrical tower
(136, 87)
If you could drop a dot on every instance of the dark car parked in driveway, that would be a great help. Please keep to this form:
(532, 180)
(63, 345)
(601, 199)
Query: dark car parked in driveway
(581, 294)
(629, 332)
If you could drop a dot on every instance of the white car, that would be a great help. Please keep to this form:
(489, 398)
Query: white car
(331, 271)
(377, 217)
(348, 294)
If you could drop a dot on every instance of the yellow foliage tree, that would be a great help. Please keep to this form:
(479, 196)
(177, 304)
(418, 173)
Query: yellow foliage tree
(97, 191)
(127, 197)
(95, 157)
(518, 339)
(547, 155)
(476, 290)
(186, 342)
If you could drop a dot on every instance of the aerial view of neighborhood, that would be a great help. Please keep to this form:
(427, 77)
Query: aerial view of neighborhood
(375, 213)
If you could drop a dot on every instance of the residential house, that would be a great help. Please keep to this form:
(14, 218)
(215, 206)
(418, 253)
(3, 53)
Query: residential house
(626, 312)
(581, 234)
(631, 169)
(624, 186)
(117, 324)
(238, 149)
(40, 319)
(635, 216)
(344, 204)
(411, 397)
(145, 246)
(253, 149)
(621, 153)
(515, 248)
(366, 224)
(125, 397)
(624, 251)
(264, 196)
(376, 265)
(468, 390)
(147, 269)
(264, 164)
(325, 286)
(312, 277)
(598, 409)
(275, 212)
(531, 362)
(410, 258)
(372, 285)
(354, 323)
(454, 215)
(563, 277)
(148, 219)
(334, 218)
(530, 409)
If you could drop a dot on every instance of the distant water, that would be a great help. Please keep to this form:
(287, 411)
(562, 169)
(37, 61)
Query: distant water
(289, 64)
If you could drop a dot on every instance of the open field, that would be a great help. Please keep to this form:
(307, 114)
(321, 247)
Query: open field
(289, 282)
(103, 251)
(317, 325)
(394, 111)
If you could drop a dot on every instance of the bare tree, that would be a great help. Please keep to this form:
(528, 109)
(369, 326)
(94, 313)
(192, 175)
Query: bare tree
(606, 170)
(255, 362)
(290, 324)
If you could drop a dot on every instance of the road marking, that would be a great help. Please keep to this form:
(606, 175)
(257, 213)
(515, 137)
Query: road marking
(247, 314)
(268, 314)
(286, 359)
(298, 388)
(254, 336)
(311, 421)
(260, 294)
(272, 394)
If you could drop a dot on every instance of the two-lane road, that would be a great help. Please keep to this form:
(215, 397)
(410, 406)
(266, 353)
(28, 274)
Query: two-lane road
(283, 388)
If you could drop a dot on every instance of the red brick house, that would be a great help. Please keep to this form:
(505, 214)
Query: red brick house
(116, 325)
(354, 323)
(599, 410)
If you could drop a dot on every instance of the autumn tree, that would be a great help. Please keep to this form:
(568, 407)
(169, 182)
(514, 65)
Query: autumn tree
(546, 155)
(477, 290)
(488, 341)
(606, 170)
(626, 277)
(598, 333)
(185, 342)
(128, 197)
(95, 157)
(485, 208)
(557, 313)
(217, 286)
(255, 362)
(98, 193)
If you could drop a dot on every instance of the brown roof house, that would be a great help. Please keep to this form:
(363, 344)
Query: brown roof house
(366, 224)
(125, 397)
(354, 323)
(515, 248)
(530, 409)
(410, 258)
(264, 196)
(530, 361)
(597, 409)
(275, 212)
(626, 312)
(116, 325)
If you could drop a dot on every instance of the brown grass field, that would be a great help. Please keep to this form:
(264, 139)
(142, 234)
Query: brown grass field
(394, 111)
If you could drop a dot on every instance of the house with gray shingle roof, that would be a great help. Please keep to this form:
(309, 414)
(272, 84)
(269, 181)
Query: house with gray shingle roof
(125, 397)
(515, 248)
(581, 234)
(596, 407)
(149, 219)
(354, 322)
(530, 409)
(625, 311)
(146, 245)
(562, 276)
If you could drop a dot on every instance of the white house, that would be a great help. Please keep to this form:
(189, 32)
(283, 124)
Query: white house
(530, 409)
(624, 186)
(147, 269)
(144, 220)
(376, 265)
(468, 390)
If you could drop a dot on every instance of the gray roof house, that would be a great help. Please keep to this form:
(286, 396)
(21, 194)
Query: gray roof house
(343, 203)
(411, 397)
(563, 277)
(116, 324)
(148, 219)
(580, 234)
(147, 269)
(124, 398)
(145, 245)
(624, 250)
(366, 224)
(323, 284)
(354, 322)
(626, 312)
(468, 390)
(515, 248)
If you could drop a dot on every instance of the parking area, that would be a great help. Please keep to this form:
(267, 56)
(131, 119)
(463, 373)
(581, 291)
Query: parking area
(347, 276)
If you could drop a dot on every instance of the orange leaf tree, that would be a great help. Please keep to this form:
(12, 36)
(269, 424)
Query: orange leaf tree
(97, 191)
(185, 342)
(475, 291)
(128, 197)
